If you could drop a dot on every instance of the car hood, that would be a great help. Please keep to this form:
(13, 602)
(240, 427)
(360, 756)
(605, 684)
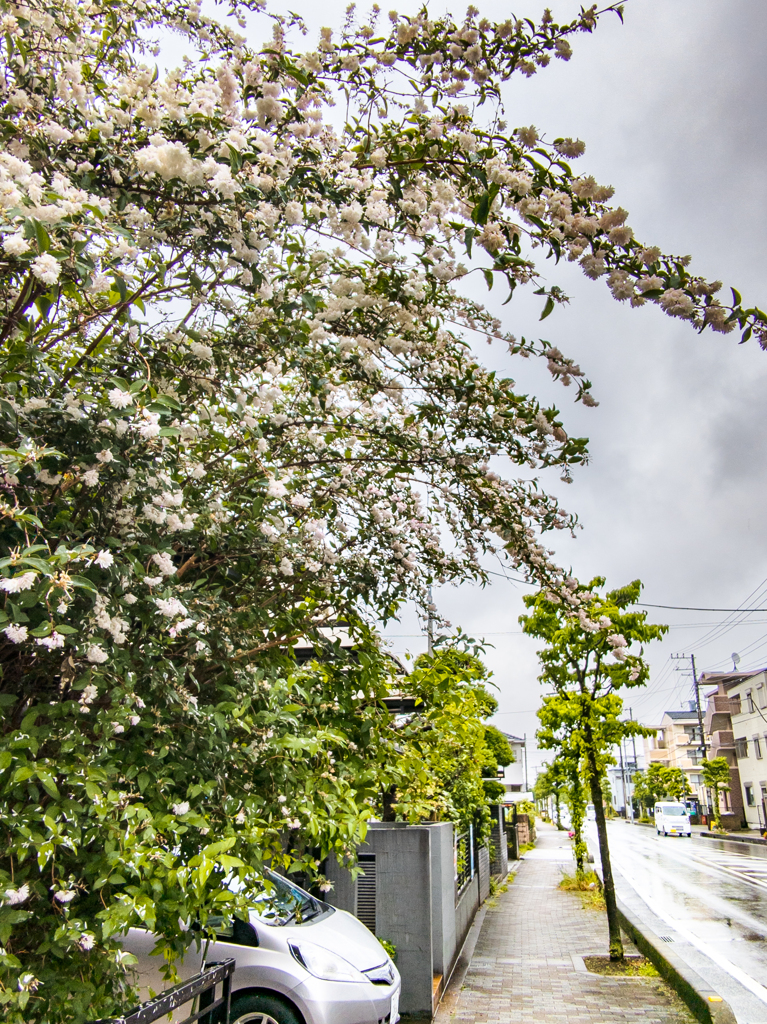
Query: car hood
(343, 934)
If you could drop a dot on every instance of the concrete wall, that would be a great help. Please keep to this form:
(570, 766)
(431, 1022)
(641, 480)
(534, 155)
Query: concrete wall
(415, 903)
(443, 898)
(403, 903)
(465, 910)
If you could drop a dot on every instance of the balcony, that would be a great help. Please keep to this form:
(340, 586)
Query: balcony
(718, 712)
(658, 755)
(722, 742)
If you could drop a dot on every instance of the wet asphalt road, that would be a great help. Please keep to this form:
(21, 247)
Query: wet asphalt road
(709, 898)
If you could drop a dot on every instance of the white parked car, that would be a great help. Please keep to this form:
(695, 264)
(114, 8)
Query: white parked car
(672, 819)
(298, 961)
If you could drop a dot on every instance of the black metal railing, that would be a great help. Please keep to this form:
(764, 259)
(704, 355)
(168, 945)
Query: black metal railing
(464, 861)
(212, 1009)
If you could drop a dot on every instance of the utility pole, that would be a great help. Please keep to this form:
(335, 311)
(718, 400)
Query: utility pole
(623, 780)
(696, 684)
(696, 689)
(636, 763)
(634, 742)
(524, 748)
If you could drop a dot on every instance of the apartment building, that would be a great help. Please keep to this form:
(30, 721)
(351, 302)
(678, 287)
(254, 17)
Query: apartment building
(736, 721)
(678, 744)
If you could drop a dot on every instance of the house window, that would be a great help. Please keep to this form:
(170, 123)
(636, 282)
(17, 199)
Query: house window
(757, 748)
(741, 748)
(761, 695)
(749, 796)
(750, 702)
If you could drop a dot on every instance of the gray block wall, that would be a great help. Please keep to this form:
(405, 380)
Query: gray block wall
(443, 897)
(415, 902)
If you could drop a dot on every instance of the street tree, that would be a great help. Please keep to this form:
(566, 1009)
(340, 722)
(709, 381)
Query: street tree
(236, 359)
(552, 782)
(555, 733)
(586, 659)
(677, 782)
(716, 777)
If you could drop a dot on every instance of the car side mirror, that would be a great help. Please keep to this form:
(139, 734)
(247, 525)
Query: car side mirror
(243, 933)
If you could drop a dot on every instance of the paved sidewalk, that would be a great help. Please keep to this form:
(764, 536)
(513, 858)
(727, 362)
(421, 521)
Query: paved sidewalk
(527, 964)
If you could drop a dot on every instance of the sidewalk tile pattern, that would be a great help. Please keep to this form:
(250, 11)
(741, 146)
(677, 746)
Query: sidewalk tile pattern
(524, 968)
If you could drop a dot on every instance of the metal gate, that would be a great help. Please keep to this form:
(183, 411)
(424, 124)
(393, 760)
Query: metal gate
(212, 1009)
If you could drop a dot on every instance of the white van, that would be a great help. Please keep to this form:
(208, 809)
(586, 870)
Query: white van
(672, 819)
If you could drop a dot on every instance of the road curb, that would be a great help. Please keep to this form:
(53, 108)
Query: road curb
(729, 837)
(707, 1005)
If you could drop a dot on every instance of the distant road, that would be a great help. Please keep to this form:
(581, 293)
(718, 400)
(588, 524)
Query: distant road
(709, 898)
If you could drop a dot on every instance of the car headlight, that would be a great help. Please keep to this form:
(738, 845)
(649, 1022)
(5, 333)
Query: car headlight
(324, 964)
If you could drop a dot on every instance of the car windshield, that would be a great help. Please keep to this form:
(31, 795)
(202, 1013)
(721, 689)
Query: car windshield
(673, 811)
(282, 902)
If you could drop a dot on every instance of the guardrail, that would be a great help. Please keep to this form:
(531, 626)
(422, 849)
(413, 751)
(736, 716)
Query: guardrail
(202, 985)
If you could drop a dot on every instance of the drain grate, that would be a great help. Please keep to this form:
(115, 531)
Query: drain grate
(665, 938)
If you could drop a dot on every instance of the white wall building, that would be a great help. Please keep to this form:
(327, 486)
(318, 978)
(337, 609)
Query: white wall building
(515, 778)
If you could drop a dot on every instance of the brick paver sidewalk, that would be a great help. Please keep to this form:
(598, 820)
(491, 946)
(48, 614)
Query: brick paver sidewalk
(527, 965)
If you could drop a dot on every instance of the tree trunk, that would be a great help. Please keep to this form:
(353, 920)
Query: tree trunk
(559, 811)
(389, 798)
(576, 815)
(716, 808)
(608, 885)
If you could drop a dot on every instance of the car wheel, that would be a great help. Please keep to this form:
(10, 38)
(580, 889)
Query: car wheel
(262, 1008)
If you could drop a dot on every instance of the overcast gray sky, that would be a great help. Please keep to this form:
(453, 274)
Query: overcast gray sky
(671, 107)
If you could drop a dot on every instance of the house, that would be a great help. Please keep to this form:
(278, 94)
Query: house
(736, 720)
(514, 778)
(678, 744)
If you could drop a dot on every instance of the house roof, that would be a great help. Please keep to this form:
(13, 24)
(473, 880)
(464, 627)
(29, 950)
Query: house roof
(514, 739)
(681, 714)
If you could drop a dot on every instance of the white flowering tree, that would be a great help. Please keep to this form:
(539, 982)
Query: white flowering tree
(239, 403)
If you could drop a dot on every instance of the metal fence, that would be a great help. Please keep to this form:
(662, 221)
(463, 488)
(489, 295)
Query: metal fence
(212, 1009)
(464, 860)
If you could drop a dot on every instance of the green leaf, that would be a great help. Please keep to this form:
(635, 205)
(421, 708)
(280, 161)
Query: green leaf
(48, 784)
(481, 211)
(736, 299)
(214, 849)
(547, 309)
(85, 584)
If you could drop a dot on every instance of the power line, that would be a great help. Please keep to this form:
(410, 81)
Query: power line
(642, 604)
(687, 608)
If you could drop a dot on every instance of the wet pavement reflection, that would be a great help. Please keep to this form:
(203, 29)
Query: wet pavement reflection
(711, 893)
